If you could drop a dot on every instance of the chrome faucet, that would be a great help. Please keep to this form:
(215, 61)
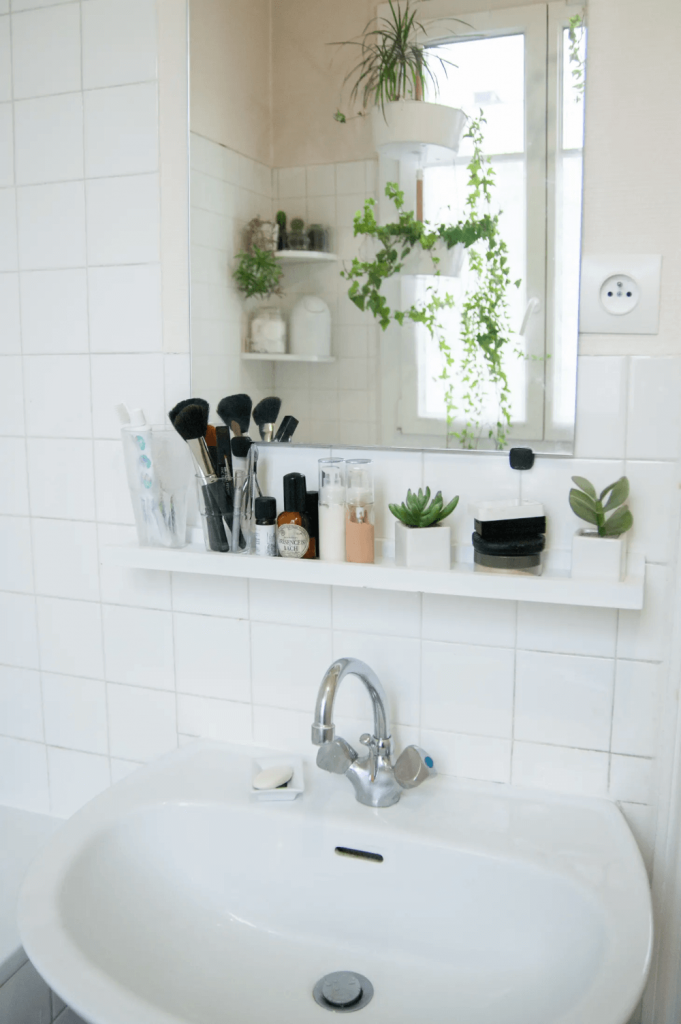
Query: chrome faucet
(376, 782)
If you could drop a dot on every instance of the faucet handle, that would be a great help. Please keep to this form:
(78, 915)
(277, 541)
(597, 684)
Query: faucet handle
(336, 756)
(413, 767)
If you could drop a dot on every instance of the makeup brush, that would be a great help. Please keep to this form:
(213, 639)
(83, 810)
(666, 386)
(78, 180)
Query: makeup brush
(235, 411)
(224, 449)
(241, 461)
(201, 402)
(212, 446)
(265, 415)
(286, 429)
(191, 421)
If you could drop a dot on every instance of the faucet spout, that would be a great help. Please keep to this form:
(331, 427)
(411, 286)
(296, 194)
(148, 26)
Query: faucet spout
(323, 729)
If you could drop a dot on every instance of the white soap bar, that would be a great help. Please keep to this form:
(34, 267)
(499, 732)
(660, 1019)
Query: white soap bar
(272, 778)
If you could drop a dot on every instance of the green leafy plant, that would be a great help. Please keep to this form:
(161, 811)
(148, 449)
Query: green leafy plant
(297, 224)
(576, 31)
(393, 64)
(592, 507)
(418, 513)
(485, 331)
(258, 273)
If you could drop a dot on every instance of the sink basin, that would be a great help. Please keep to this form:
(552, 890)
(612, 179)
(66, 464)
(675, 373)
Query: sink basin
(174, 898)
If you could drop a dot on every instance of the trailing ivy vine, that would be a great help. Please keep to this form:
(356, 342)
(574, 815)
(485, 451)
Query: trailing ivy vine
(576, 31)
(485, 329)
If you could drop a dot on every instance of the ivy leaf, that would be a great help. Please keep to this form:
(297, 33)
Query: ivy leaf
(340, 117)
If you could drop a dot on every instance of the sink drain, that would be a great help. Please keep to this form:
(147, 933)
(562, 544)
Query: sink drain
(343, 991)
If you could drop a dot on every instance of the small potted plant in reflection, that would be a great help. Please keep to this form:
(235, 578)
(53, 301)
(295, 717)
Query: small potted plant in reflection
(600, 553)
(422, 541)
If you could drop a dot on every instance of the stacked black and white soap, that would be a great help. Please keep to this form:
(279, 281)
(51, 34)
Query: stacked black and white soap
(509, 536)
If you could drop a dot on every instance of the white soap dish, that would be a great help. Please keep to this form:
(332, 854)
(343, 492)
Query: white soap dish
(288, 792)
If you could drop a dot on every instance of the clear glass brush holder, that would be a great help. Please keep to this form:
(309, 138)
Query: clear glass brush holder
(215, 508)
(158, 465)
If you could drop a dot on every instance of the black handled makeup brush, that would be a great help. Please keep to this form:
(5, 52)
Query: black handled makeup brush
(265, 415)
(286, 429)
(224, 451)
(235, 411)
(190, 420)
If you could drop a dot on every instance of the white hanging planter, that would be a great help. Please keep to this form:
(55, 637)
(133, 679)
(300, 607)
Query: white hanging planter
(430, 132)
(598, 558)
(427, 547)
(419, 263)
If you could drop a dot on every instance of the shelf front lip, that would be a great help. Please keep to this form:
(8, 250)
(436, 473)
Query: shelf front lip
(458, 582)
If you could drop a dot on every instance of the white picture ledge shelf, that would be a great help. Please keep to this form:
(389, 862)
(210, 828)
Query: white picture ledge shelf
(285, 357)
(305, 256)
(462, 581)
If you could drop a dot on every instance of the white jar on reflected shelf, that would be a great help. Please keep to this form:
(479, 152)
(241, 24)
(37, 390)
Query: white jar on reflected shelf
(268, 331)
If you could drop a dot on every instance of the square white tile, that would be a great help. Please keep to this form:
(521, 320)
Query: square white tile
(222, 720)
(61, 478)
(121, 130)
(321, 180)
(212, 657)
(9, 259)
(58, 396)
(469, 757)
(631, 778)
(10, 339)
(23, 776)
(142, 723)
(6, 146)
(123, 218)
(564, 700)
(563, 769)
(51, 222)
(14, 493)
(567, 629)
(143, 588)
(66, 559)
(138, 647)
(5, 60)
(134, 379)
(70, 636)
(112, 495)
(125, 308)
(21, 714)
(54, 312)
(11, 397)
(210, 595)
(396, 662)
(654, 384)
(121, 769)
(350, 177)
(288, 664)
(75, 713)
(291, 183)
(282, 729)
(119, 42)
(644, 635)
(25, 997)
(18, 637)
(295, 604)
(469, 620)
(601, 416)
(48, 137)
(467, 689)
(654, 502)
(385, 612)
(635, 713)
(16, 559)
(75, 779)
(46, 51)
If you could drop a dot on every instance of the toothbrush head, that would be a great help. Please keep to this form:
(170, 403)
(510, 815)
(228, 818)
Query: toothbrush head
(236, 409)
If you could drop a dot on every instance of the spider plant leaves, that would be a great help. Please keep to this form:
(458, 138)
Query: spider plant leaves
(618, 523)
(586, 486)
(582, 507)
(619, 492)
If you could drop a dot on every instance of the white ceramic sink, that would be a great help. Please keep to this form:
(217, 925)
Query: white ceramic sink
(174, 899)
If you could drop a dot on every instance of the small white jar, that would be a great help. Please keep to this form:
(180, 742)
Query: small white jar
(268, 331)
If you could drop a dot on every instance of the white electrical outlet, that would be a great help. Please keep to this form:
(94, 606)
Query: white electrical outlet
(620, 294)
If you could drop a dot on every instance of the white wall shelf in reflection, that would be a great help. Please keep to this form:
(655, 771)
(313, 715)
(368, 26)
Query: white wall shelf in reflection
(552, 588)
(305, 256)
(286, 357)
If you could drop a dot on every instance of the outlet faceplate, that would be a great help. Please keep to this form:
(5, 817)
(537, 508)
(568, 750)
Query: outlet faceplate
(620, 294)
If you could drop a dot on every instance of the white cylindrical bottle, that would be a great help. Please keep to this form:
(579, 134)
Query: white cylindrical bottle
(332, 510)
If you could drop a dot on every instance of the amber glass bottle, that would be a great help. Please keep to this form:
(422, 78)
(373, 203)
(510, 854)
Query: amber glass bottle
(293, 524)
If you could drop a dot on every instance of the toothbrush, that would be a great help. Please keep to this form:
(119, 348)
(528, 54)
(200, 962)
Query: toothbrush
(134, 424)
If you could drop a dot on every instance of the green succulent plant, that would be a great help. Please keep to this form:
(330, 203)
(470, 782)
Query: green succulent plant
(418, 513)
(592, 507)
(297, 224)
(281, 219)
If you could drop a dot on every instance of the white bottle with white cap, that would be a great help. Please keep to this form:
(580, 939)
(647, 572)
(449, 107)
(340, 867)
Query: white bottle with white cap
(331, 510)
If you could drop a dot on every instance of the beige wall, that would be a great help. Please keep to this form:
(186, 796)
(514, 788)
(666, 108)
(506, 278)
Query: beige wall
(230, 74)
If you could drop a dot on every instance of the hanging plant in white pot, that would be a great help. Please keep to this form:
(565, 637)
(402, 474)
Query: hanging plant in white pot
(422, 541)
(600, 554)
(390, 80)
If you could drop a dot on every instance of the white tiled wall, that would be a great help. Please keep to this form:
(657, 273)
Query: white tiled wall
(26, 999)
(103, 668)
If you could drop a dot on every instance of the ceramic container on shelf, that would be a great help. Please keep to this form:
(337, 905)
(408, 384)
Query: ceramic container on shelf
(268, 331)
(598, 558)
(310, 333)
(427, 547)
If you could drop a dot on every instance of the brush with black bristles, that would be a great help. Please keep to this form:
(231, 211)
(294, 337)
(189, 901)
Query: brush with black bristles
(240, 450)
(190, 420)
(265, 415)
(235, 411)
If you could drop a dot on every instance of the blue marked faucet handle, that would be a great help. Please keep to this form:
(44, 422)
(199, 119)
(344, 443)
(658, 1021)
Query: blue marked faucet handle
(413, 767)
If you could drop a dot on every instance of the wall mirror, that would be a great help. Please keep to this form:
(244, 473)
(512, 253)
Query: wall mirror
(486, 355)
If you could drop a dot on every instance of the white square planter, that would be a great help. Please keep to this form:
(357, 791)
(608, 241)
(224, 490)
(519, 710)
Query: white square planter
(598, 558)
(423, 548)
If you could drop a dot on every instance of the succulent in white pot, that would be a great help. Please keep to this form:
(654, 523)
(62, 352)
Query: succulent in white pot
(600, 553)
(422, 540)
